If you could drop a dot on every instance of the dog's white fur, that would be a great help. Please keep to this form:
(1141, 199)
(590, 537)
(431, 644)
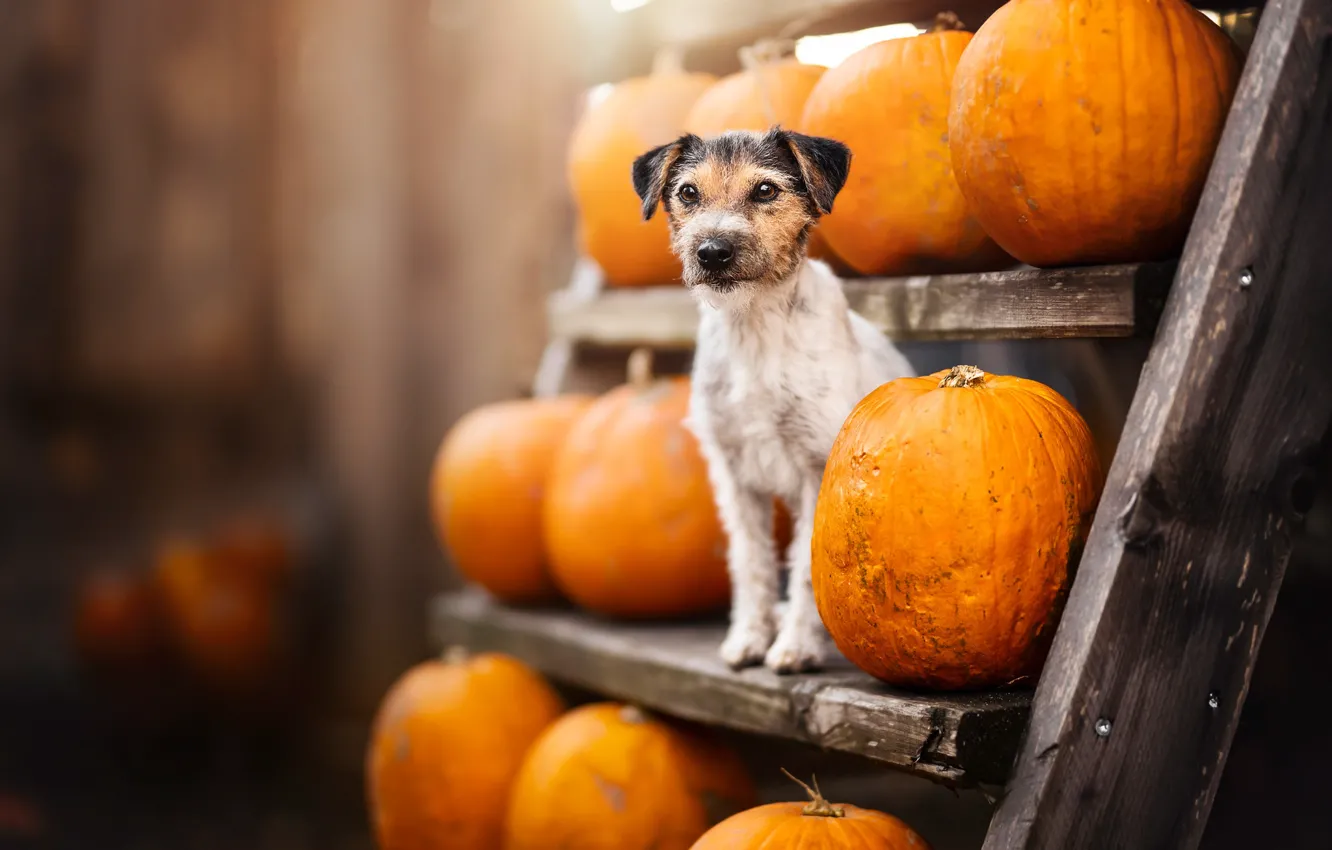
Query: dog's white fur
(776, 372)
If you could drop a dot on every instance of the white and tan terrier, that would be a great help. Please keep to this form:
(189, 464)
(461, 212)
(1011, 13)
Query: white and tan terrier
(781, 359)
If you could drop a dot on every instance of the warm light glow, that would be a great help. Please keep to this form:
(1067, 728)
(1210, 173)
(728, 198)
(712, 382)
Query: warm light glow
(598, 93)
(627, 5)
(831, 50)
(1215, 16)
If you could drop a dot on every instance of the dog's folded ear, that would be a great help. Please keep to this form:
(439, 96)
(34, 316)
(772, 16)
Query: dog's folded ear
(652, 171)
(824, 164)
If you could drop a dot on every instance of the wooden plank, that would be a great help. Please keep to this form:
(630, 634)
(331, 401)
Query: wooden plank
(1097, 301)
(1140, 699)
(674, 668)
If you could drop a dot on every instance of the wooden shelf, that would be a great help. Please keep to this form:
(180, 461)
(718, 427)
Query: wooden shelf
(1095, 301)
(674, 668)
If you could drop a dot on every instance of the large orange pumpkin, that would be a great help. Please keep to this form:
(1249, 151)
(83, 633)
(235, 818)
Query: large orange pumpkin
(952, 509)
(638, 115)
(488, 487)
(1082, 132)
(445, 747)
(901, 210)
(771, 91)
(816, 825)
(608, 777)
(631, 527)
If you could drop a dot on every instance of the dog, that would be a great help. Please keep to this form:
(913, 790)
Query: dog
(780, 362)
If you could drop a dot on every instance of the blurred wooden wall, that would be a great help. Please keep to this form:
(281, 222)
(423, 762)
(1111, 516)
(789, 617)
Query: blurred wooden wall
(274, 241)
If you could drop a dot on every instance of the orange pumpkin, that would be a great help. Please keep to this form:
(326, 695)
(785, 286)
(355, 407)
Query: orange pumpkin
(771, 91)
(117, 623)
(901, 210)
(1082, 132)
(255, 549)
(607, 777)
(639, 114)
(445, 747)
(488, 487)
(952, 509)
(816, 825)
(631, 528)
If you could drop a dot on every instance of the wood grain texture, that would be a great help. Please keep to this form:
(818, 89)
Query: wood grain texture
(1193, 534)
(1096, 301)
(674, 668)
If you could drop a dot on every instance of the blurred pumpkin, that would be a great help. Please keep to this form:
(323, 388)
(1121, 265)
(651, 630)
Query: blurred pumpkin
(901, 210)
(1083, 132)
(816, 825)
(770, 91)
(952, 509)
(631, 528)
(638, 115)
(608, 777)
(117, 622)
(257, 549)
(488, 487)
(445, 747)
(225, 629)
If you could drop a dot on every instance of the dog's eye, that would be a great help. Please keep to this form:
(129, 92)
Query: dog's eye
(688, 194)
(764, 192)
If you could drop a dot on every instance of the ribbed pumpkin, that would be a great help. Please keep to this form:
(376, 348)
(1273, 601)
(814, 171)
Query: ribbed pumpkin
(488, 487)
(1082, 132)
(901, 210)
(952, 509)
(816, 825)
(771, 90)
(631, 527)
(445, 748)
(608, 777)
(639, 114)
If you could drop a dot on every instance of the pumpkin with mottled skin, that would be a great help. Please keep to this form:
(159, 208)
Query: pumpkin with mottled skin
(445, 748)
(609, 777)
(901, 211)
(952, 509)
(816, 825)
(1082, 132)
(488, 488)
(631, 528)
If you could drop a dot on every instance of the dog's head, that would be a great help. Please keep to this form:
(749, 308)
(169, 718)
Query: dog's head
(741, 204)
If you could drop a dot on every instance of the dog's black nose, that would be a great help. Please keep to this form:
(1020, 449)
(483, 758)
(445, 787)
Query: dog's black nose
(715, 254)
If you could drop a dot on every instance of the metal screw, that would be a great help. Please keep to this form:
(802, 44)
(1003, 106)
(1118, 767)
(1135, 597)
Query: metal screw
(1246, 277)
(1102, 728)
(1213, 701)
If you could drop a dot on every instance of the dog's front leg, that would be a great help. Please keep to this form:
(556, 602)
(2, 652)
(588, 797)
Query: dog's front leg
(802, 641)
(746, 516)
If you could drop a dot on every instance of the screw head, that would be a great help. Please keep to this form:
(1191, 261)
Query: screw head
(1213, 701)
(1246, 277)
(1102, 727)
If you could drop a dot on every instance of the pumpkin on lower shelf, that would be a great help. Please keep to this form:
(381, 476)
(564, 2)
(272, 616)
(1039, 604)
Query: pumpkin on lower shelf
(952, 510)
(636, 115)
(816, 825)
(446, 746)
(631, 528)
(1082, 132)
(901, 211)
(488, 487)
(118, 622)
(609, 777)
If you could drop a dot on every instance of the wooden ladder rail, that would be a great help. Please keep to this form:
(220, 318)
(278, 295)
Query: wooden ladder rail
(1138, 704)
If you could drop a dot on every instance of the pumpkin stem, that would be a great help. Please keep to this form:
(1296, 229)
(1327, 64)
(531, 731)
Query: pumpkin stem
(945, 21)
(640, 368)
(818, 807)
(634, 715)
(963, 376)
(766, 50)
(669, 60)
(456, 655)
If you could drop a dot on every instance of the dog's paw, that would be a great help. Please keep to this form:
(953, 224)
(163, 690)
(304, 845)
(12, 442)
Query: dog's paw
(792, 654)
(746, 643)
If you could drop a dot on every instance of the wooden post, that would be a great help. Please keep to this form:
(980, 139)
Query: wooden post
(1140, 698)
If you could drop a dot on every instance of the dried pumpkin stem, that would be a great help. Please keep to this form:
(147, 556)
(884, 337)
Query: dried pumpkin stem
(640, 368)
(456, 655)
(668, 60)
(963, 376)
(945, 21)
(818, 807)
(633, 714)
